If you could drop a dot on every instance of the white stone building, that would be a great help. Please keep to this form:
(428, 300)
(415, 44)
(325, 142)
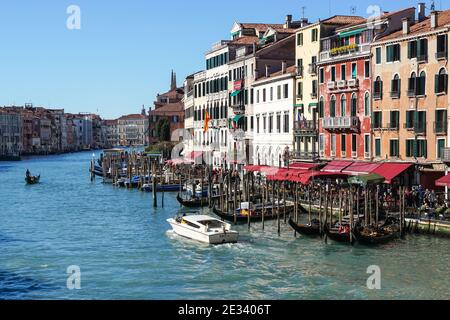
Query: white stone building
(274, 114)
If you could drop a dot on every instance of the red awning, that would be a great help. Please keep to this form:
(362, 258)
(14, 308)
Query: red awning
(303, 166)
(193, 155)
(337, 166)
(357, 168)
(444, 181)
(310, 176)
(280, 175)
(391, 170)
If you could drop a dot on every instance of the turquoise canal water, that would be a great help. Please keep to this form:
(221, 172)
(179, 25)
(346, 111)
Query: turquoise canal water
(125, 251)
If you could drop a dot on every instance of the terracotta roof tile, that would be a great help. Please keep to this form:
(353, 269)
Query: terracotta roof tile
(133, 117)
(260, 26)
(343, 20)
(245, 40)
(443, 19)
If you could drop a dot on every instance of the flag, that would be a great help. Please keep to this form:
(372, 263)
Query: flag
(207, 119)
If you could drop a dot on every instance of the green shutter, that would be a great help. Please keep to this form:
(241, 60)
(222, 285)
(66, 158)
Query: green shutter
(426, 149)
(436, 83)
(409, 50)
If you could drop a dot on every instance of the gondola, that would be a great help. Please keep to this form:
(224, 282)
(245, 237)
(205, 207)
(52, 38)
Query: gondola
(160, 188)
(312, 229)
(255, 216)
(32, 179)
(193, 203)
(371, 236)
(339, 233)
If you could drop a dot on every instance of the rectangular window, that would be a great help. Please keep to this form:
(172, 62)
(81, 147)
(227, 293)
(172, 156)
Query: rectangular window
(286, 91)
(394, 121)
(314, 35)
(378, 147)
(264, 124)
(440, 125)
(354, 71)
(257, 96)
(278, 123)
(354, 144)
(278, 92)
(264, 95)
(333, 73)
(441, 47)
(299, 39)
(257, 124)
(393, 148)
(314, 89)
(412, 49)
(286, 123)
(410, 146)
(422, 149)
(343, 72)
(367, 146)
(300, 90)
(440, 148)
(440, 83)
(377, 119)
(393, 53)
(271, 93)
(343, 144)
(321, 75)
(367, 69)
(378, 55)
(333, 144)
(270, 123)
(321, 143)
(422, 50)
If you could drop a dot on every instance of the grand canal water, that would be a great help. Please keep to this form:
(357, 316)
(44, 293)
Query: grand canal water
(125, 251)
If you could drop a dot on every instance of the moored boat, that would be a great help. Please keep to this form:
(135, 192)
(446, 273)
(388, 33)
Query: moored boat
(204, 229)
(33, 179)
(161, 187)
(371, 235)
(311, 229)
(193, 202)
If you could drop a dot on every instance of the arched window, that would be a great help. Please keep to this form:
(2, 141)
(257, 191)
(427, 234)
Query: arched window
(441, 81)
(333, 106)
(421, 84)
(367, 105)
(412, 84)
(395, 87)
(354, 106)
(343, 105)
(378, 88)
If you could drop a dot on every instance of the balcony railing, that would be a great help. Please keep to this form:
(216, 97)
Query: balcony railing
(441, 55)
(417, 127)
(305, 155)
(395, 94)
(331, 85)
(312, 69)
(344, 51)
(388, 127)
(238, 109)
(341, 123)
(353, 83)
(440, 127)
(445, 155)
(342, 84)
(306, 127)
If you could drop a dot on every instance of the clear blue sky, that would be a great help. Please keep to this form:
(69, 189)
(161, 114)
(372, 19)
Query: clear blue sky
(123, 54)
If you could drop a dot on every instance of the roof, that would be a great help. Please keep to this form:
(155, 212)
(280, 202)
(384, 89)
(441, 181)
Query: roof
(133, 117)
(344, 20)
(111, 122)
(290, 69)
(260, 26)
(443, 19)
(245, 40)
(168, 108)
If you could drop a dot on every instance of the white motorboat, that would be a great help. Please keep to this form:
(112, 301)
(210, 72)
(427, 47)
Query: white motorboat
(204, 229)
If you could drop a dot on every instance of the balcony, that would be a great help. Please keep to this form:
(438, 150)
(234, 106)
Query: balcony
(440, 127)
(299, 71)
(445, 157)
(395, 94)
(305, 156)
(238, 109)
(341, 123)
(417, 127)
(354, 83)
(440, 55)
(312, 69)
(331, 85)
(344, 52)
(305, 128)
(342, 84)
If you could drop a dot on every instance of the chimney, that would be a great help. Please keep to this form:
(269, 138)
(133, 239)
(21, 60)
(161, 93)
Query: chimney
(405, 24)
(288, 21)
(421, 10)
(433, 19)
(267, 70)
(283, 67)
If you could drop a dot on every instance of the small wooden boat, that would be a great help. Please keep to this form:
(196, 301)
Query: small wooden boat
(161, 187)
(339, 233)
(242, 216)
(32, 179)
(389, 231)
(312, 229)
(193, 202)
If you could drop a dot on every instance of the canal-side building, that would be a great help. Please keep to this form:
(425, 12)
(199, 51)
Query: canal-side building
(132, 130)
(10, 135)
(410, 107)
(168, 107)
(112, 133)
(188, 103)
(308, 40)
(252, 58)
(346, 87)
(273, 107)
